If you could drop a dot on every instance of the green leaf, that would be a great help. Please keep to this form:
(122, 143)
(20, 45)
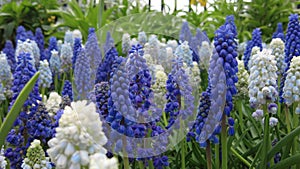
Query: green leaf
(283, 142)
(16, 108)
(286, 163)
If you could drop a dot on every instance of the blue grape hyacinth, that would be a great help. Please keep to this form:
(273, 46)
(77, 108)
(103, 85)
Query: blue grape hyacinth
(76, 48)
(185, 32)
(255, 41)
(10, 54)
(67, 90)
(279, 32)
(39, 39)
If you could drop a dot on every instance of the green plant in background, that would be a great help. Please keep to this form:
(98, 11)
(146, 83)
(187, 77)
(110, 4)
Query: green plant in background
(263, 14)
(29, 13)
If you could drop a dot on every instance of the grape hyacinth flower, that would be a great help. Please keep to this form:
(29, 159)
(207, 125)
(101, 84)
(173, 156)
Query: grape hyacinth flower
(159, 89)
(152, 48)
(39, 39)
(291, 45)
(52, 46)
(82, 75)
(126, 43)
(205, 53)
(142, 38)
(226, 48)
(291, 87)
(172, 44)
(66, 55)
(183, 51)
(10, 54)
(258, 114)
(46, 75)
(76, 48)
(279, 32)
(194, 46)
(109, 43)
(35, 52)
(262, 79)
(5, 71)
(55, 64)
(93, 53)
(35, 157)
(185, 32)
(21, 34)
(67, 90)
(104, 69)
(100, 161)
(242, 84)
(195, 79)
(277, 47)
(39, 124)
(272, 121)
(29, 35)
(69, 38)
(77, 34)
(230, 21)
(78, 137)
(25, 47)
(101, 92)
(255, 41)
(2, 93)
(52, 104)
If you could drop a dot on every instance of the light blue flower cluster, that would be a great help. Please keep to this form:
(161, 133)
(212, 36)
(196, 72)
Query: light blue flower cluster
(183, 51)
(66, 55)
(5, 71)
(291, 89)
(82, 75)
(46, 74)
(55, 63)
(142, 38)
(126, 43)
(109, 43)
(277, 47)
(69, 38)
(76, 49)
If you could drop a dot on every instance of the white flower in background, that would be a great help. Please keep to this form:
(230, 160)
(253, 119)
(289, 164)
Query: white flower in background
(242, 84)
(133, 42)
(277, 47)
(205, 52)
(78, 137)
(3, 162)
(35, 157)
(262, 79)
(194, 74)
(159, 86)
(291, 89)
(52, 104)
(254, 51)
(272, 121)
(172, 44)
(59, 44)
(69, 38)
(77, 34)
(100, 161)
(126, 43)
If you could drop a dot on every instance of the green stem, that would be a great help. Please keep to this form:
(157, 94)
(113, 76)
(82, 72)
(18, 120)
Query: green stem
(217, 158)
(224, 142)
(141, 165)
(295, 141)
(287, 119)
(56, 83)
(183, 154)
(266, 140)
(240, 157)
(208, 155)
(43, 93)
(165, 119)
(125, 158)
(151, 166)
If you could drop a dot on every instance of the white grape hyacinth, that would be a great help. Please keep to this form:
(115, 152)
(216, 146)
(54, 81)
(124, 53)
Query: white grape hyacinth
(262, 79)
(78, 137)
(52, 104)
(242, 84)
(291, 89)
(3, 162)
(277, 47)
(100, 161)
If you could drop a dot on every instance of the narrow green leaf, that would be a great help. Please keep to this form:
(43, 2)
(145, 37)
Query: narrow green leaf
(286, 163)
(16, 108)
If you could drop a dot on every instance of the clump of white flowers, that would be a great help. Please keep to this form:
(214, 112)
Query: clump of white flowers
(25, 47)
(5, 72)
(194, 75)
(100, 161)
(262, 79)
(291, 89)
(159, 88)
(35, 157)
(78, 137)
(52, 104)
(242, 84)
(277, 47)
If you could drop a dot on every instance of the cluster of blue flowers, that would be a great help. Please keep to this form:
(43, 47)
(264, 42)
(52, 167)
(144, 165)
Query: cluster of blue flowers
(255, 41)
